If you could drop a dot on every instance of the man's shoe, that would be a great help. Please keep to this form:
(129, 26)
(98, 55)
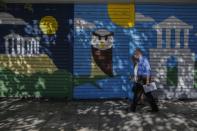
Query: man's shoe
(154, 110)
(128, 110)
(132, 110)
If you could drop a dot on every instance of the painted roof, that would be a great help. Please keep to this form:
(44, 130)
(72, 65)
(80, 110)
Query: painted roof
(174, 23)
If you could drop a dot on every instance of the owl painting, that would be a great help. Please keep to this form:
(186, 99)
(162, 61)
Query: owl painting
(101, 44)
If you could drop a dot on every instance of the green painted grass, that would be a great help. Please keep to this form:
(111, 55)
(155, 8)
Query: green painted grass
(172, 76)
(56, 84)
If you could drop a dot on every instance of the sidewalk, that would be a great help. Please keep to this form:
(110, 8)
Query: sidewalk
(43, 115)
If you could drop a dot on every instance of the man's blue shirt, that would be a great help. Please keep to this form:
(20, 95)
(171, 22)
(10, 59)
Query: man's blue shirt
(144, 68)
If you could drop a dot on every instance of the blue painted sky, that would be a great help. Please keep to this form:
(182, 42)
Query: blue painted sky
(98, 15)
(186, 13)
(59, 46)
(126, 40)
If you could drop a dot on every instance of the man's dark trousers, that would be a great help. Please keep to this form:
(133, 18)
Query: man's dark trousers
(138, 91)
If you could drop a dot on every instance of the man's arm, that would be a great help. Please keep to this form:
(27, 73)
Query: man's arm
(147, 70)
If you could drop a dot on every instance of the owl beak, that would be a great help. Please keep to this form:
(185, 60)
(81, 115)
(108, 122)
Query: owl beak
(102, 44)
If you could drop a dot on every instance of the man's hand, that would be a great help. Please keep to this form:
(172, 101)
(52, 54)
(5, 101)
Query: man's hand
(148, 84)
(147, 80)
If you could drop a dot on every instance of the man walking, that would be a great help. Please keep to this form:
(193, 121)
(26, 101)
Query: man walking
(142, 72)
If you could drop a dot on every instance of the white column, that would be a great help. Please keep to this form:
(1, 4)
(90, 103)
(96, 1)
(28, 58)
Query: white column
(28, 47)
(22, 46)
(13, 47)
(18, 51)
(168, 38)
(186, 38)
(159, 38)
(31, 47)
(6, 46)
(177, 37)
(34, 45)
(37, 45)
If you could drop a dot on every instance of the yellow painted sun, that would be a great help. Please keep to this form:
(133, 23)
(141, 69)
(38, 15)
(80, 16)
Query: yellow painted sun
(122, 14)
(49, 25)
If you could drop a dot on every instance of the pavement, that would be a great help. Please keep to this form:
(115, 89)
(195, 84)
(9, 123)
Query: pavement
(47, 115)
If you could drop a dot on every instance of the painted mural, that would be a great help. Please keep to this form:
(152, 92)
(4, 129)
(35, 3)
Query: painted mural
(167, 40)
(101, 46)
(171, 48)
(35, 48)
(85, 51)
(184, 55)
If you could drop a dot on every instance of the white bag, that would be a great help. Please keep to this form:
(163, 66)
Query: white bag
(150, 87)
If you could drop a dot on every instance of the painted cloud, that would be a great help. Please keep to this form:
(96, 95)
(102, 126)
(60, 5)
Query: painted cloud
(8, 19)
(83, 24)
(139, 17)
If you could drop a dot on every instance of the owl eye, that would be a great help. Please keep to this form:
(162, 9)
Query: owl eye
(110, 38)
(94, 38)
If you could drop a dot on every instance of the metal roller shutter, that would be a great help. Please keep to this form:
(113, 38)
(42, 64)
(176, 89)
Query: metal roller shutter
(36, 50)
(101, 72)
(167, 34)
(42, 54)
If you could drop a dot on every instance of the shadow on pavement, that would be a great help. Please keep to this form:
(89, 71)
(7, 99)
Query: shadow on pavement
(17, 114)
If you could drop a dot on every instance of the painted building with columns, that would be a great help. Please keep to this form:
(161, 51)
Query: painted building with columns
(181, 51)
(18, 45)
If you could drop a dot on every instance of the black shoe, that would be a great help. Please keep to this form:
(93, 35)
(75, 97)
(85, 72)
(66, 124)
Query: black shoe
(128, 110)
(154, 110)
(132, 110)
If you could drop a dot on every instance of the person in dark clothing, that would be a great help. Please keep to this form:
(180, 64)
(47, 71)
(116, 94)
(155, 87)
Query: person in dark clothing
(142, 72)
